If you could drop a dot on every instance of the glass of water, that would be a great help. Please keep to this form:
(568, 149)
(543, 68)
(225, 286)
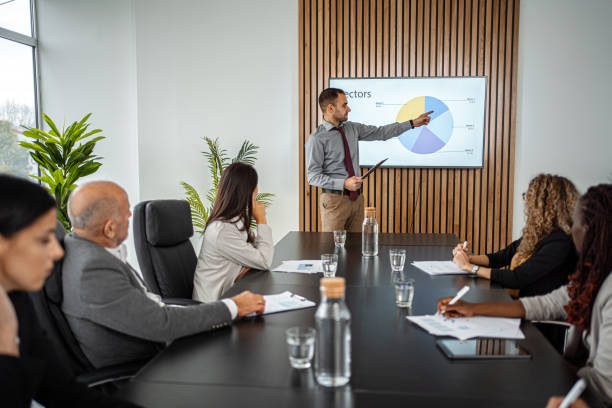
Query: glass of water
(397, 257)
(404, 290)
(339, 238)
(329, 263)
(300, 341)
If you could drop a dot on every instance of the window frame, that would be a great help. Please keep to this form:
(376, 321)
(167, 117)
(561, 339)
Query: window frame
(31, 41)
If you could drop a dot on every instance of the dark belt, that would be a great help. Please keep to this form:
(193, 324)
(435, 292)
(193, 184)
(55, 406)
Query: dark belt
(339, 192)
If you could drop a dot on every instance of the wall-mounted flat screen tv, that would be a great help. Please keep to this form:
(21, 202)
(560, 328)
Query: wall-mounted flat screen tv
(453, 138)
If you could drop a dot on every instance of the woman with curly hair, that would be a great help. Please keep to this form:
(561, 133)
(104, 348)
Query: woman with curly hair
(585, 302)
(543, 258)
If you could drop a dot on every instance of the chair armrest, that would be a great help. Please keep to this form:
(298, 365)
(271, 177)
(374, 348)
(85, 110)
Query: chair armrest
(109, 374)
(553, 323)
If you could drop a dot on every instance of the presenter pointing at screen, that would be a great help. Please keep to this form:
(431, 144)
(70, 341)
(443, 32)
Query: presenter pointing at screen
(332, 159)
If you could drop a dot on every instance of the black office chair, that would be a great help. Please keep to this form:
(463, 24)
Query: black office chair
(556, 333)
(167, 260)
(47, 306)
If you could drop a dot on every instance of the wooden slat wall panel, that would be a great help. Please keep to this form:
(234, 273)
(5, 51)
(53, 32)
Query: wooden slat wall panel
(420, 38)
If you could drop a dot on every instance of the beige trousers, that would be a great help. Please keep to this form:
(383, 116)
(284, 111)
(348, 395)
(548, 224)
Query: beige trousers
(339, 212)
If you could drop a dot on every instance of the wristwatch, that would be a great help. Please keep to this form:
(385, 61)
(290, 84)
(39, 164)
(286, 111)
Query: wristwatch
(475, 269)
(411, 123)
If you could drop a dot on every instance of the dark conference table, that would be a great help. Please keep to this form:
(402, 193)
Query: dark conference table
(394, 362)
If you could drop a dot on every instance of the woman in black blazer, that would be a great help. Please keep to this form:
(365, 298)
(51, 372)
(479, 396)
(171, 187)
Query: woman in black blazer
(29, 369)
(543, 258)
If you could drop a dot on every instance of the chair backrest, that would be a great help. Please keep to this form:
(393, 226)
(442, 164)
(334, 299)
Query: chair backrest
(47, 305)
(167, 260)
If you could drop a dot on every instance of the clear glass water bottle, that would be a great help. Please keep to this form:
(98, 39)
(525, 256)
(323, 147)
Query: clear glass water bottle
(333, 346)
(369, 233)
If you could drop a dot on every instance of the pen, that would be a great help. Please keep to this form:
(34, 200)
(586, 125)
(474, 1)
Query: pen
(574, 393)
(459, 295)
(465, 244)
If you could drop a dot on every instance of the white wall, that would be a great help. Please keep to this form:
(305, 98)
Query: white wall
(161, 75)
(225, 69)
(88, 64)
(564, 94)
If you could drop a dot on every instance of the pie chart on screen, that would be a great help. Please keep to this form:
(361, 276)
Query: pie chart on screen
(433, 137)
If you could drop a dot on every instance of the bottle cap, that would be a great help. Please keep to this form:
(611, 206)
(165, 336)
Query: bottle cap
(370, 211)
(332, 287)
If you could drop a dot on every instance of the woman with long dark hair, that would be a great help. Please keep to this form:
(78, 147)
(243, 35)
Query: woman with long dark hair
(543, 258)
(585, 302)
(29, 369)
(229, 246)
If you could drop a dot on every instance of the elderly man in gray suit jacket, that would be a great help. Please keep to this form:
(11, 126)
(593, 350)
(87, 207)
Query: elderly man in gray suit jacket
(107, 304)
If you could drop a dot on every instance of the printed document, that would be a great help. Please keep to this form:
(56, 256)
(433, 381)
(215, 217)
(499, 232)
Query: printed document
(464, 328)
(285, 301)
(312, 266)
(439, 267)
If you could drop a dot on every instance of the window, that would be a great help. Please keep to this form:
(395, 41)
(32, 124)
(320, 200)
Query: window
(15, 15)
(18, 98)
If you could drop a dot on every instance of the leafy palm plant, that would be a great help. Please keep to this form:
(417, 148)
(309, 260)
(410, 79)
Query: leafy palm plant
(218, 160)
(63, 158)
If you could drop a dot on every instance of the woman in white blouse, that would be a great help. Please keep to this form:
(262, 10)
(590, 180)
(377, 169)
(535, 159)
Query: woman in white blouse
(230, 247)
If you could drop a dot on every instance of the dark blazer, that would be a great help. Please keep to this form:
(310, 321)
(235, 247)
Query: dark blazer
(37, 374)
(111, 316)
(553, 260)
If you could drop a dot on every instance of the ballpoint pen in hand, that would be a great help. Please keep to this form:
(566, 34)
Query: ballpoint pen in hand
(574, 393)
(459, 295)
(465, 244)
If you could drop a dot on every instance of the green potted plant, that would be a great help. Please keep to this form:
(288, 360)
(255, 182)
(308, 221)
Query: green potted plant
(63, 158)
(218, 160)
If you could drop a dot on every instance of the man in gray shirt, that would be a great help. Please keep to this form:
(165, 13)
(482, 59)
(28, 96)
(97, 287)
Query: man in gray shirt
(113, 315)
(332, 159)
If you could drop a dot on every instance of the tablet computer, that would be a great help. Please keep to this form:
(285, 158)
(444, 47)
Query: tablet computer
(482, 349)
(374, 168)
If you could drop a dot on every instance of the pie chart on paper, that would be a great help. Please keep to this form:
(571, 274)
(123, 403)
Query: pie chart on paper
(433, 137)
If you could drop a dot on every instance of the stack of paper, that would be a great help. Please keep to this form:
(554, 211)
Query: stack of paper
(439, 267)
(313, 266)
(465, 328)
(285, 301)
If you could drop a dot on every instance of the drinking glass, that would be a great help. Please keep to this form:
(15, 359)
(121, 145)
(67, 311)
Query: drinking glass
(329, 263)
(339, 238)
(404, 290)
(397, 257)
(300, 341)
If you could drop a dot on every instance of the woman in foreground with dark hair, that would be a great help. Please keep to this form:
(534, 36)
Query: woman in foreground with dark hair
(29, 369)
(585, 302)
(229, 246)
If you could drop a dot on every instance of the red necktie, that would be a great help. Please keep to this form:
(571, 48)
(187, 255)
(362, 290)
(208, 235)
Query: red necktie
(348, 163)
